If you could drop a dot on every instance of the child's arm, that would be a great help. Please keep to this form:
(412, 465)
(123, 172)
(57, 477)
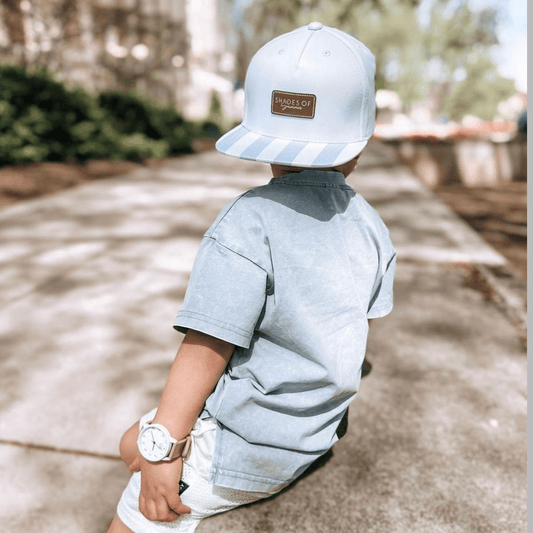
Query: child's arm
(198, 366)
(128, 448)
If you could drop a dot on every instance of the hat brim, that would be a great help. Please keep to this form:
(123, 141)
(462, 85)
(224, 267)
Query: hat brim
(245, 144)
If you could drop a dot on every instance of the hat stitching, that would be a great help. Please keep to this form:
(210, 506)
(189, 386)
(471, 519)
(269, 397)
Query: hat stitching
(362, 72)
(303, 139)
(303, 49)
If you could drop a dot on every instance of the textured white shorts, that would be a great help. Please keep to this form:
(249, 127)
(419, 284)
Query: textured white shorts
(203, 498)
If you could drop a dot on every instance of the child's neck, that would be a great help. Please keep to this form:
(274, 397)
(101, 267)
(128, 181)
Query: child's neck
(280, 170)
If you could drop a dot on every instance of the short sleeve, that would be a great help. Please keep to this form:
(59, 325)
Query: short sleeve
(381, 302)
(225, 295)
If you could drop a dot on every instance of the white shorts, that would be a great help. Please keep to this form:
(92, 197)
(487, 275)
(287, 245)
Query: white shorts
(203, 498)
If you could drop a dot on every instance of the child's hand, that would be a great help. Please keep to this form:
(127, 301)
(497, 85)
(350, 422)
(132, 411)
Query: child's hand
(159, 499)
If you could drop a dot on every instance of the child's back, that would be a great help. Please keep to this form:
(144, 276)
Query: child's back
(289, 273)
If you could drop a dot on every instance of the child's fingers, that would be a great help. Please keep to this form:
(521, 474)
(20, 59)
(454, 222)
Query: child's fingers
(164, 512)
(157, 510)
(135, 466)
(172, 516)
(174, 502)
(147, 508)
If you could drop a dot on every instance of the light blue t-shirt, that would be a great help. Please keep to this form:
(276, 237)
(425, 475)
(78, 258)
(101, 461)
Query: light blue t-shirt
(290, 273)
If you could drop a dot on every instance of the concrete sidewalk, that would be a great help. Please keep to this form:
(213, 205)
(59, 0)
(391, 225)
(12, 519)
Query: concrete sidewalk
(92, 279)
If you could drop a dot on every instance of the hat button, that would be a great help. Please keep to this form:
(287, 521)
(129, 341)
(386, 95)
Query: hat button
(315, 26)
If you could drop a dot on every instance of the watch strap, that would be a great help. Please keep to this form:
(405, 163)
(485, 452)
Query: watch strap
(147, 419)
(179, 449)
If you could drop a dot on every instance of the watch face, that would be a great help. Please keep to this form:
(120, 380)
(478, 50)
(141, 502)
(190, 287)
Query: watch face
(154, 443)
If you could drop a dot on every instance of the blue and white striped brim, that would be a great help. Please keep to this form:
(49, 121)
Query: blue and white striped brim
(245, 144)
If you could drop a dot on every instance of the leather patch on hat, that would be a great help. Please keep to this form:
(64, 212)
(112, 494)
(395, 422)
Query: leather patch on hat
(293, 104)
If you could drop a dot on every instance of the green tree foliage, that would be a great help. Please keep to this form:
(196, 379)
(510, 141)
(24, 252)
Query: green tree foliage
(412, 59)
(388, 27)
(479, 93)
(391, 30)
(466, 79)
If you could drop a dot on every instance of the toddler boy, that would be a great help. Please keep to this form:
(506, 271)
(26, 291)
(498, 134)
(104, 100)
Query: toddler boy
(277, 308)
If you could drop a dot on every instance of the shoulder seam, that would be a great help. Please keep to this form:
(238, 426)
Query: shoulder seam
(213, 229)
(236, 253)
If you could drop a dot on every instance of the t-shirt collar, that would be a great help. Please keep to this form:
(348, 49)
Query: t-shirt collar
(330, 178)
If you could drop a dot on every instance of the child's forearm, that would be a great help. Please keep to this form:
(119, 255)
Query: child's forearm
(200, 362)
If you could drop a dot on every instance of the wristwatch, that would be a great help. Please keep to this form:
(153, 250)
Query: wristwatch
(157, 444)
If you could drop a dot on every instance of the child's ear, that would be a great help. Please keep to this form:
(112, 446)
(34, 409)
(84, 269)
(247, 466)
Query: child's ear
(347, 168)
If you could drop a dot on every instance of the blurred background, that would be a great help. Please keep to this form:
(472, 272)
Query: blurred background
(93, 84)
(91, 278)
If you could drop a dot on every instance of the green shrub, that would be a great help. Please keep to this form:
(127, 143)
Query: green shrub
(207, 129)
(133, 114)
(138, 146)
(42, 120)
(129, 113)
(174, 129)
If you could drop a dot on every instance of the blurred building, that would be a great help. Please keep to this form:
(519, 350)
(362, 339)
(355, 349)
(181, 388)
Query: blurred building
(173, 50)
(421, 120)
(511, 108)
(388, 106)
(211, 64)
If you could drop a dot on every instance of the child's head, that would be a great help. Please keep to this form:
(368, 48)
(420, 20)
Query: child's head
(309, 101)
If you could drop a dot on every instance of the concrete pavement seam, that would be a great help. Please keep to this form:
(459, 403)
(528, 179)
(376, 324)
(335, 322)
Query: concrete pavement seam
(509, 294)
(45, 448)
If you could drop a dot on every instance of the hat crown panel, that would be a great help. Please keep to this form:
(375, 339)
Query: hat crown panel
(327, 63)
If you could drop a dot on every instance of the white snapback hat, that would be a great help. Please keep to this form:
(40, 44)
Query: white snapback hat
(309, 100)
